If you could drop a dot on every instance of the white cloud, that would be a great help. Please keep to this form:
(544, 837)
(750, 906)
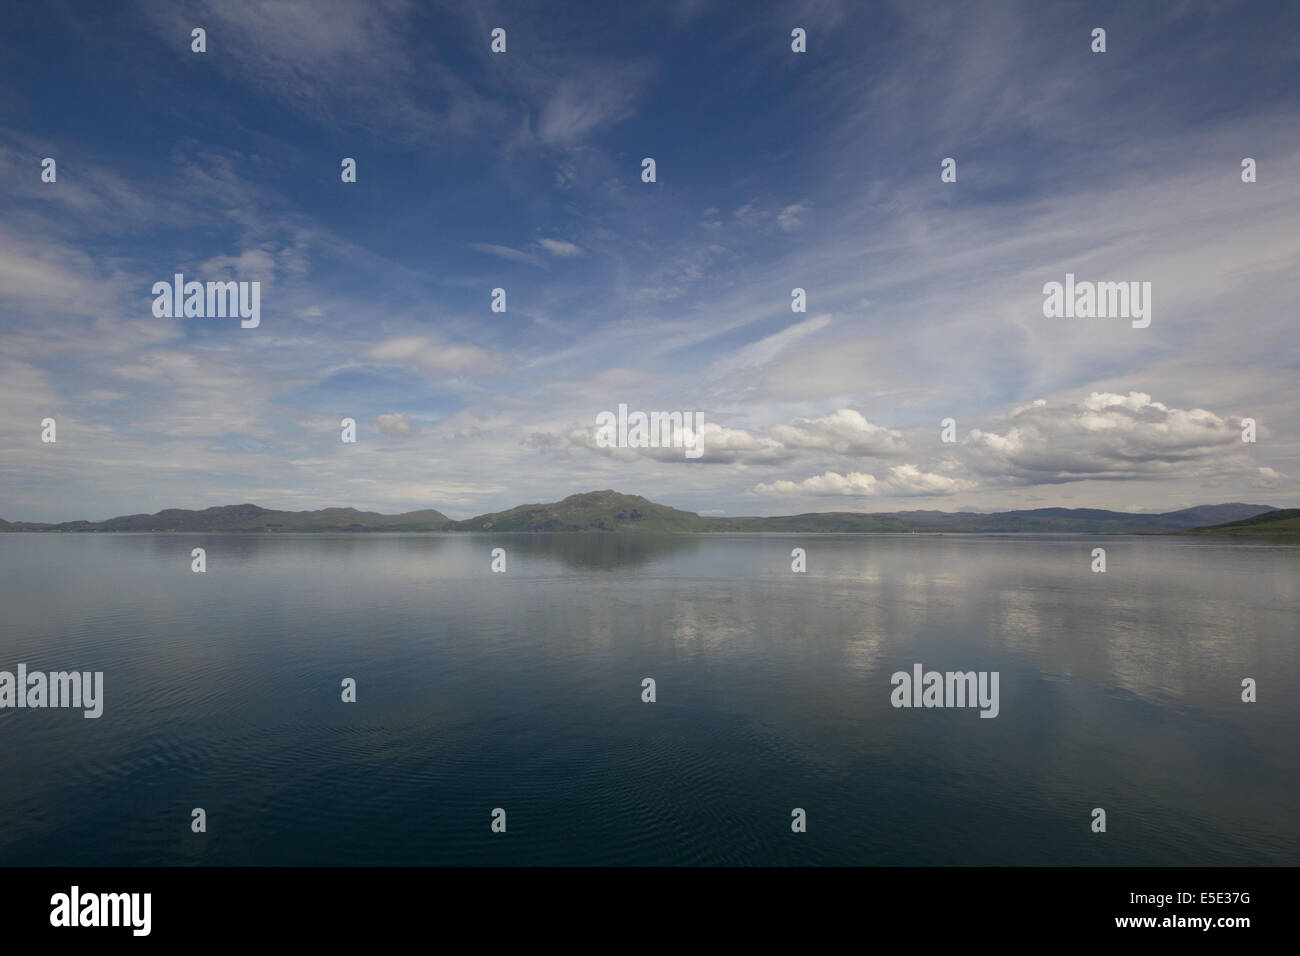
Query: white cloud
(903, 480)
(249, 265)
(760, 353)
(1268, 478)
(326, 58)
(505, 252)
(845, 432)
(791, 217)
(1107, 436)
(434, 356)
(396, 424)
(560, 248)
(590, 99)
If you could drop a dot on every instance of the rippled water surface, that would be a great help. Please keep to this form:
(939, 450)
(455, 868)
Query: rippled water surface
(522, 691)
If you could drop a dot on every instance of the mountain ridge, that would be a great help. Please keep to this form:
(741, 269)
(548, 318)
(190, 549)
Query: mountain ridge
(247, 517)
(612, 511)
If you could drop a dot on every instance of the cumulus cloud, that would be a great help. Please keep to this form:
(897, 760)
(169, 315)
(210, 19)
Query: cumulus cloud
(1268, 478)
(1106, 436)
(547, 443)
(728, 445)
(721, 446)
(845, 432)
(396, 424)
(904, 480)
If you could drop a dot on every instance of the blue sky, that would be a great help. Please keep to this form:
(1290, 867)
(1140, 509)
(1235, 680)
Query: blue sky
(522, 171)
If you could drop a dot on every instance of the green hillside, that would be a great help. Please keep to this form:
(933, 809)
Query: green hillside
(592, 511)
(1284, 522)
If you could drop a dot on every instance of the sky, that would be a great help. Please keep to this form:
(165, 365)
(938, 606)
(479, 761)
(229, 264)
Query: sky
(523, 171)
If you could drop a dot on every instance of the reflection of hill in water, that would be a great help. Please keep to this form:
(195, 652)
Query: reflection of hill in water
(588, 551)
(600, 551)
(240, 547)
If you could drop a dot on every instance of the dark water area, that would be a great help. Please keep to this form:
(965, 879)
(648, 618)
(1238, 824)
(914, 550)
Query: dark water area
(523, 691)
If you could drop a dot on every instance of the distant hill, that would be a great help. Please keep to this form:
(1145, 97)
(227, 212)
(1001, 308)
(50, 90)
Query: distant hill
(1090, 520)
(610, 511)
(250, 518)
(1284, 522)
(592, 511)
(816, 522)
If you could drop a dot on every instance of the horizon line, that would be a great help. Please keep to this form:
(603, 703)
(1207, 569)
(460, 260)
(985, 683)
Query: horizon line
(399, 514)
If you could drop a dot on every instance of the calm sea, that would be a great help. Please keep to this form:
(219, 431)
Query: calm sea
(522, 691)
